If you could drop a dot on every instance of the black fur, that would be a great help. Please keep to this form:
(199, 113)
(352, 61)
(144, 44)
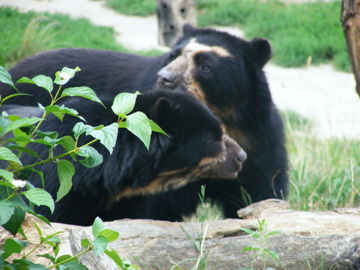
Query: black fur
(194, 134)
(237, 90)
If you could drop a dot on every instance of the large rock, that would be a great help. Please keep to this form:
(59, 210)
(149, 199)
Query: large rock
(309, 240)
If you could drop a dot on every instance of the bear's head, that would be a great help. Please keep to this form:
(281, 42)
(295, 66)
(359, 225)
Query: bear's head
(196, 146)
(222, 70)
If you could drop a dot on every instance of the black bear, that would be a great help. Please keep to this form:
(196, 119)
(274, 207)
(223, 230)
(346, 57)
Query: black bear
(196, 147)
(223, 71)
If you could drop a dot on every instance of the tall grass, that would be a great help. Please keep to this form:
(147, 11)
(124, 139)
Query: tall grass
(22, 34)
(35, 39)
(324, 173)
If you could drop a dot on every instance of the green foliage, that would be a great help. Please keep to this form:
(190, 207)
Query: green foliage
(199, 240)
(323, 172)
(27, 129)
(24, 34)
(299, 33)
(133, 7)
(260, 251)
(51, 32)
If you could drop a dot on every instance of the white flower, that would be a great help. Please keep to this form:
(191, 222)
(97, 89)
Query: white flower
(18, 183)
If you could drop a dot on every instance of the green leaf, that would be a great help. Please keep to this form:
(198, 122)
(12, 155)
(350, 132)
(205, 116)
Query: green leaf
(272, 254)
(50, 134)
(12, 246)
(42, 81)
(100, 244)
(53, 240)
(6, 211)
(138, 124)
(25, 80)
(97, 226)
(65, 172)
(122, 124)
(81, 128)
(92, 157)
(73, 266)
(47, 256)
(107, 135)
(60, 111)
(26, 150)
(82, 91)
(14, 223)
(85, 243)
(6, 175)
(272, 233)
(68, 143)
(115, 257)
(6, 154)
(65, 257)
(22, 122)
(156, 128)
(40, 174)
(63, 76)
(110, 235)
(5, 77)
(248, 231)
(124, 103)
(39, 197)
(245, 249)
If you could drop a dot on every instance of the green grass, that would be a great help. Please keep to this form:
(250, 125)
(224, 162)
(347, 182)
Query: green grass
(23, 34)
(324, 173)
(299, 33)
(133, 7)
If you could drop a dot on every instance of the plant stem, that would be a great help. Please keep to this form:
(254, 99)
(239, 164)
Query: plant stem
(73, 257)
(33, 250)
(54, 158)
(11, 195)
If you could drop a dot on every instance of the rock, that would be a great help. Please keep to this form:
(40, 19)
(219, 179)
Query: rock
(308, 240)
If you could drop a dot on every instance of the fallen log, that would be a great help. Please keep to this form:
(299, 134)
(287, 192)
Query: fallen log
(308, 240)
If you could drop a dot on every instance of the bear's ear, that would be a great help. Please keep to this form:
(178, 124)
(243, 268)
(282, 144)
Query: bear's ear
(161, 110)
(188, 28)
(261, 49)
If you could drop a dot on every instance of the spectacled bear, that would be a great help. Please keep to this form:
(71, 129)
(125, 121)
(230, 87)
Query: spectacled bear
(223, 71)
(196, 147)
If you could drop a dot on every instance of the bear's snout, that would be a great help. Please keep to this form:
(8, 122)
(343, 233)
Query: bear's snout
(167, 78)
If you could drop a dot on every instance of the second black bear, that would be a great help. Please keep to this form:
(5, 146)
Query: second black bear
(223, 71)
(195, 148)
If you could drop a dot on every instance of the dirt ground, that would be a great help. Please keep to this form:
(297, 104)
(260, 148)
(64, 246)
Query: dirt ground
(322, 94)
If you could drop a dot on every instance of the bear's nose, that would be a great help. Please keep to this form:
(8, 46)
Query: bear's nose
(167, 78)
(241, 156)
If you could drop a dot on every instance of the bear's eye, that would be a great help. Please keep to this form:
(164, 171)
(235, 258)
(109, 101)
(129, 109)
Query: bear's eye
(205, 69)
(182, 10)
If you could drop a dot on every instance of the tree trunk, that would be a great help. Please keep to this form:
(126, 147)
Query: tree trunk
(172, 15)
(350, 18)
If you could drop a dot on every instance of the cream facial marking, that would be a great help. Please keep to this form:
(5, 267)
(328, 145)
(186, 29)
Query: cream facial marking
(194, 47)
